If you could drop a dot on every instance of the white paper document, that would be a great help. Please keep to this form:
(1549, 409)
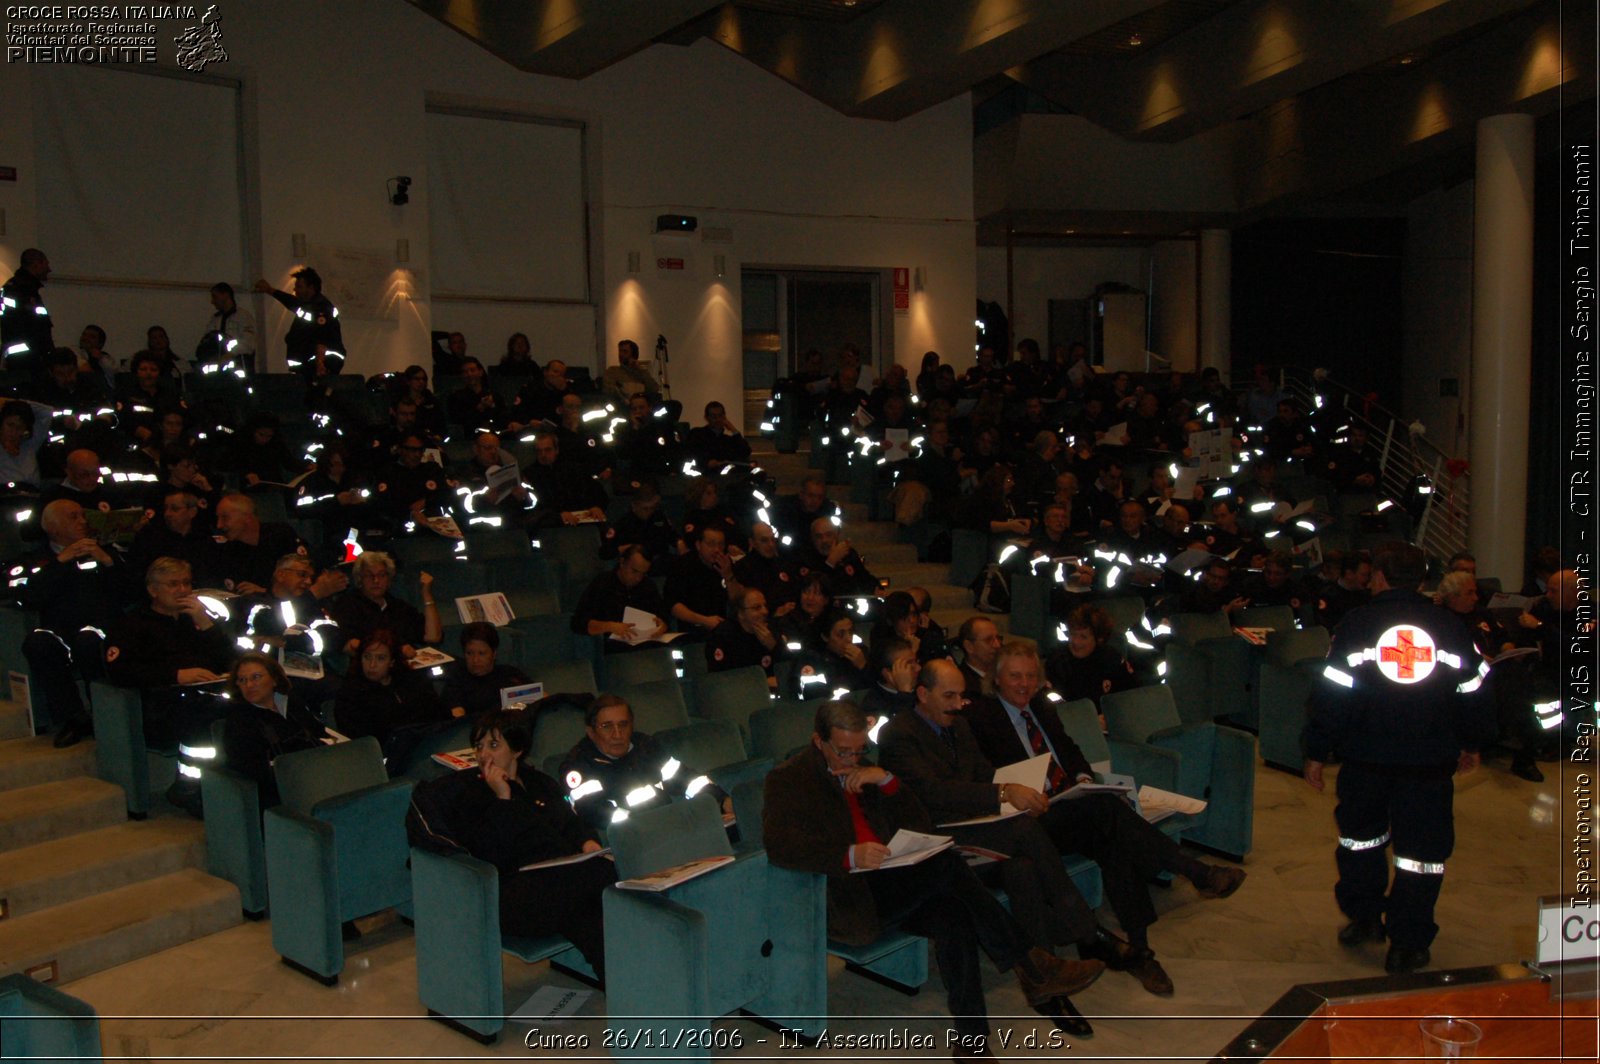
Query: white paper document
(494, 608)
(911, 847)
(552, 1003)
(643, 624)
(1156, 805)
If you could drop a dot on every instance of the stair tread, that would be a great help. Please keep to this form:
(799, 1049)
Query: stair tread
(101, 803)
(77, 855)
(37, 757)
(115, 926)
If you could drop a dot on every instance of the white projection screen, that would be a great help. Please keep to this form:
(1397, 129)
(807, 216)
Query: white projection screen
(506, 207)
(508, 233)
(140, 200)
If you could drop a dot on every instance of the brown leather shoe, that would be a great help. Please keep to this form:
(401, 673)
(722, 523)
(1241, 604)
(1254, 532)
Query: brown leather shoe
(1144, 967)
(1220, 881)
(1055, 977)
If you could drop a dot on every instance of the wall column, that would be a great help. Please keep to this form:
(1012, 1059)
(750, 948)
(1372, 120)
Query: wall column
(1502, 345)
(1216, 300)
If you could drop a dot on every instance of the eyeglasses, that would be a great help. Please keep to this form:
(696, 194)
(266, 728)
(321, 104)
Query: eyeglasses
(847, 755)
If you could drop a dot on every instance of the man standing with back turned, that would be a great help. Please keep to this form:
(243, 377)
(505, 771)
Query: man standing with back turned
(1402, 702)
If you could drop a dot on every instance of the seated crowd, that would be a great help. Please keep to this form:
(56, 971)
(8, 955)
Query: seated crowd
(257, 583)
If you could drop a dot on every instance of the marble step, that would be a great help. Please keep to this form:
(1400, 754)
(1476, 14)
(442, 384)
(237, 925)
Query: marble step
(25, 762)
(78, 938)
(54, 810)
(49, 873)
(13, 720)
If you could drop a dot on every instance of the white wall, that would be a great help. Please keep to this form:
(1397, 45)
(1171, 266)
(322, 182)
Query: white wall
(1043, 274)
(1437, 296)
(334, 100)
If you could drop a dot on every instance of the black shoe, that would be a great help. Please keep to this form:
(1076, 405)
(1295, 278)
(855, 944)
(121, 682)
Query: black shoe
(1405, 960)
(71, 733)
(1523, 767)
(1362, 929)
(1220, 881)
(1065, 1015)
(1114, 952)
(186, 796)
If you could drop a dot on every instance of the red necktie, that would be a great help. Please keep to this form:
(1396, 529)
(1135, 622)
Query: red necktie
(1056, 776)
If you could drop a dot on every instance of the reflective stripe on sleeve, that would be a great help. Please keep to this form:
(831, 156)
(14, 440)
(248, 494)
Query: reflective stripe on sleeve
(1421, 868)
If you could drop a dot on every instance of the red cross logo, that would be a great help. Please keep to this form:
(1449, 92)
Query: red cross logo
(1405, 654)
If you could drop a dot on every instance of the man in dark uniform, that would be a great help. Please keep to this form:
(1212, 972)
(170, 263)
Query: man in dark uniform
(766, 566)
(748, 640)
(315, 342)
(700, 585)
(564, 492)
(74, 583)
(1019, 723)
(615, 769)
(792, 514)
(601, 606)
(644, 524)
(1402, 702)
(826, 551)
(829, 811)
(250, 548)
(1349, 592)
(26, 337)
(163, 648)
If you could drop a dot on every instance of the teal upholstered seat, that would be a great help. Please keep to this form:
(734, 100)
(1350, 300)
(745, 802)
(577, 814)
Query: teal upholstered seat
(1217, 763)
(39, 1022)
(336, 850)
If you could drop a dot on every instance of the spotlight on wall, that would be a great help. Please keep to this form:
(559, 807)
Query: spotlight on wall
(297, 245)
(399, 191)
(402, 250)
(633, 262)
(720, 262)
(919, 279)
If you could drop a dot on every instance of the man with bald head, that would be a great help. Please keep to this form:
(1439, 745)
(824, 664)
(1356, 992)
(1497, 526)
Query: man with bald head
(766, 566)
(74, 583)
(82, 484)
(826, 551)
(251, 548)
(934, 752)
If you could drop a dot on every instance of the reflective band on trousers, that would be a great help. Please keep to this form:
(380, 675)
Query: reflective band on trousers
(1357, 845)
(1421, 868)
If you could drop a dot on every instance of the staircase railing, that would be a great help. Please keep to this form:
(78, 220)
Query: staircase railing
(1411, 470)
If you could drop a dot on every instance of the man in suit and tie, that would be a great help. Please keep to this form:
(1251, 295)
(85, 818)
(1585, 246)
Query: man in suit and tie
(830, 811)
(932, 750)
(1020, 723)
(980, 649)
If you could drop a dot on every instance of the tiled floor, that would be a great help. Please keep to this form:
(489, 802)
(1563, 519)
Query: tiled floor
(228, 996)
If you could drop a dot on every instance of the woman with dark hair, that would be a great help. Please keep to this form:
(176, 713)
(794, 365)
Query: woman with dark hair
(21, 438)
(703, 509)
(991, 509)
(159, 347)
(796, 627)
(899, 618)
(473, 683)
(265, 719)
(384, 697)
(475, 405)
(261, 457)
(1088, 666)
(412, 385)
(140, 400)
(836, 661)
(511, 815)
(928, 376)
(518, 359)
(334, 494)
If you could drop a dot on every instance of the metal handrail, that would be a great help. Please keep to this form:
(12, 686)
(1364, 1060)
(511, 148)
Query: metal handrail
(1406, 461)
